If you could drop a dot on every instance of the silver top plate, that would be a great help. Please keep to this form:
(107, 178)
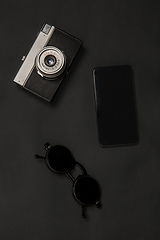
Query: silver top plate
(29, 63)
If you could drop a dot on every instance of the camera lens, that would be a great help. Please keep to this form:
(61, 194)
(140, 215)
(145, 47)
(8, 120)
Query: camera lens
(50, 60)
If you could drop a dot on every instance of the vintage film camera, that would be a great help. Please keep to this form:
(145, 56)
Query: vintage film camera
(47, 62)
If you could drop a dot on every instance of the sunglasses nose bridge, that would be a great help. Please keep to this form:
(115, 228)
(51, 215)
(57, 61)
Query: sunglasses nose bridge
(70, 177)
(83, 172)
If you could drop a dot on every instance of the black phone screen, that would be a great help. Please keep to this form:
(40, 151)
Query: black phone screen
(115, 105)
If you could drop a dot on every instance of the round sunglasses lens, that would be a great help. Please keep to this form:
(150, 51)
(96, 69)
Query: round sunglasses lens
(60, 159)
(87, 190)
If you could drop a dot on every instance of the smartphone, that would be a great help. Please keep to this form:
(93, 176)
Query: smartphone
(115, 105)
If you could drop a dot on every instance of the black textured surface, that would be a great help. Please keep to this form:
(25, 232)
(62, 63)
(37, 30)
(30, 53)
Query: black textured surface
(36, 204)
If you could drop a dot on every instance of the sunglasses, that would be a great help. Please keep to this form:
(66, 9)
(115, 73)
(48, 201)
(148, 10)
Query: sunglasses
(86, 190)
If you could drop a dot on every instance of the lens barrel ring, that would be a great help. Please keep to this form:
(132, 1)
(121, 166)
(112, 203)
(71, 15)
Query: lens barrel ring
(50, 62)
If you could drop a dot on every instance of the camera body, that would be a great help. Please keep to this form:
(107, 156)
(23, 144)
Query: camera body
(47, 62)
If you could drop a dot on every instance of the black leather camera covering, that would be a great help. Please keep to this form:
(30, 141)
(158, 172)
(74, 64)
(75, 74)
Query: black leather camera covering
(47, 88)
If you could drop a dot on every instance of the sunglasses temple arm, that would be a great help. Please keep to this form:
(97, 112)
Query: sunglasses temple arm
(37, 156)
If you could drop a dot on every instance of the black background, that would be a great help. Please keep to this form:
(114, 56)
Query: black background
(36, 204)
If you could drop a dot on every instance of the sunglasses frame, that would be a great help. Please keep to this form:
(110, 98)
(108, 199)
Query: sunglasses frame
(76, 182)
